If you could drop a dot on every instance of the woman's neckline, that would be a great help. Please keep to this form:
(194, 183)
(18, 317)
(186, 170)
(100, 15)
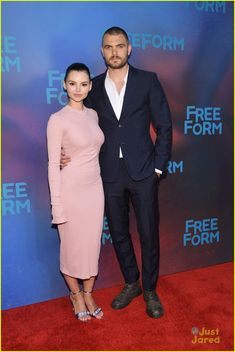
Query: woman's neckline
(74, 109)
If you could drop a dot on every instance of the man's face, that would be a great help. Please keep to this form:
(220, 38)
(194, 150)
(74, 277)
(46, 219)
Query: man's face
(115, 50)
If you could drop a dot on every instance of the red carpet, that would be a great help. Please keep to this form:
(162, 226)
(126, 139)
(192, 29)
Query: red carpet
(201, 298)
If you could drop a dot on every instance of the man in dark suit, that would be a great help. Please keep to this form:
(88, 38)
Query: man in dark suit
(127, 101)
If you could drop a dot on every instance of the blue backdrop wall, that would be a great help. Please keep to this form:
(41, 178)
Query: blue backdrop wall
(190, 46)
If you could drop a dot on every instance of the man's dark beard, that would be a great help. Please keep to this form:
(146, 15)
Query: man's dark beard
(122, 64)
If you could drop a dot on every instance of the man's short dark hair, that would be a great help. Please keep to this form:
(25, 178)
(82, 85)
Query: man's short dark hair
(115, 31)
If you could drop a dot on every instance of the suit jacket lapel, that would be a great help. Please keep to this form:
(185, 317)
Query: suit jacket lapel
(108, 103)
(105, 98)
(130, 88)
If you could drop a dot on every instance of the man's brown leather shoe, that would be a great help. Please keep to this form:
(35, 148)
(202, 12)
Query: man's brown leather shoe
(128, 293)
(154, 307)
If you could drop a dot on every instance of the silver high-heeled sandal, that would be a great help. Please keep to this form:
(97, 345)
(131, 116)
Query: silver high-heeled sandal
(97, 311)
(79, 315)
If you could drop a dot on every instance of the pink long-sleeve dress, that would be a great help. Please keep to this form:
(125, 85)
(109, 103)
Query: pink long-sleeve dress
(77, 196)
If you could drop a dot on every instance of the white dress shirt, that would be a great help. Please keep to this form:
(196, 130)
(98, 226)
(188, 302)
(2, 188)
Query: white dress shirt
(116, 99)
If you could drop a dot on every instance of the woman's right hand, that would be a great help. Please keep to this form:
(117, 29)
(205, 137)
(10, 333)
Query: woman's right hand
(64, 159)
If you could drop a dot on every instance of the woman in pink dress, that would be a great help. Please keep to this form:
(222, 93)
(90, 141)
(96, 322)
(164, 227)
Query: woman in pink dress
(76, 191)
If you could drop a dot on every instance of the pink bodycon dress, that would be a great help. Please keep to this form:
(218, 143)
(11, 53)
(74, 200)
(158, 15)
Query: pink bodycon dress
(77, 196)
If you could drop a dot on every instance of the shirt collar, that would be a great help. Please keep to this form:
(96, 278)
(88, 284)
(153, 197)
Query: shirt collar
(125, 78)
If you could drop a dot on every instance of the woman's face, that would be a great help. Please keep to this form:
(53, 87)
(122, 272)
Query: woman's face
(77, 85)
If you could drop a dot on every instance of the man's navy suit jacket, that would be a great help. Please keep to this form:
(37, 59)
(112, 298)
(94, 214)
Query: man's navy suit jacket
(144, 102)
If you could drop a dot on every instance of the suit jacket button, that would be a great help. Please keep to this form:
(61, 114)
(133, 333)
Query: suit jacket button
(119, 126)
